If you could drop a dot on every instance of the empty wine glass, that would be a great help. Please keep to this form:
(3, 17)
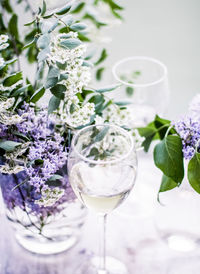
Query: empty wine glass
(144, 84)
(102, 168)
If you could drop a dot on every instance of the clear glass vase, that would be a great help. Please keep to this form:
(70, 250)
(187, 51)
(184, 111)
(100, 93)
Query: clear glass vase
(42, 230)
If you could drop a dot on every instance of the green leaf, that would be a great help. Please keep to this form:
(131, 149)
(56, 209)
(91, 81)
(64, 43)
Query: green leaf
(30, 23)
(149, 134)
(92, 17)
(6, 5)
(122, 103)
(38, 162)
(12, 79)
(9, 145)
(12, 26)
(129, 91)
(103, 56)
(168, 157)
(21, 136)
(194, 172)
(37, 95)
(160, 122)
(52, 77)
(70, 43)
(64, 10)
(107, 89)
(53, 104)
(29, 44)
(78, 27)
(44, 8)
(78, 7)
(58, 91)
(167, 184)
(99, 73)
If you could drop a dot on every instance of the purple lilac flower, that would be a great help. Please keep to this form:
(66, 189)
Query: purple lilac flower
(46, 145)
(189, 130)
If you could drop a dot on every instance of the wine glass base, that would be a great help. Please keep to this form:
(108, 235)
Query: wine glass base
(113, 266)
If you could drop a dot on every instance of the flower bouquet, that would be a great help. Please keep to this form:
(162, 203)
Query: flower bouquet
(35, 137)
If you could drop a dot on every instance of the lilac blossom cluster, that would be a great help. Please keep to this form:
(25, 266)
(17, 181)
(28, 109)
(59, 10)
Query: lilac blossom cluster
(46, 146)
(188, 129)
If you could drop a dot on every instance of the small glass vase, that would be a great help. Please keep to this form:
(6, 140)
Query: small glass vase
(41, 230)
(176, 218)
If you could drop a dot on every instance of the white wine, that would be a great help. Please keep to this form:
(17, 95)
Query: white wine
(102, 204)
(101, 188)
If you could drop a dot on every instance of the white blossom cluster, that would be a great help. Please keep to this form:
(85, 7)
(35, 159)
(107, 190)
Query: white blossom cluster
(121, 117)
(6, 117)
(50, 196)
(7, 169)
(76, 115)
(79, 76)
(3, 41)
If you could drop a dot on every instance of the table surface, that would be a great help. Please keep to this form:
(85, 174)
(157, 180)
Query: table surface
(131, 237)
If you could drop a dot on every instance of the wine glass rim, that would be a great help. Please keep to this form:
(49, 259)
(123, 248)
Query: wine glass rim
(100, 162)
(150, 59)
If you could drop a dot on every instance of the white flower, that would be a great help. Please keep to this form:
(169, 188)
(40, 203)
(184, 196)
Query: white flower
(4, 46)
(7, 119)
(50, 196)
(76, 115)
(3, 38)
(4, 105)
(99, 120)
(11, 170)
(2, 62)
(114, 115)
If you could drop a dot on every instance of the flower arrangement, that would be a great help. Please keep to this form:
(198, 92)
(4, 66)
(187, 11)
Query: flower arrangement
(179, 146)
(35, 138)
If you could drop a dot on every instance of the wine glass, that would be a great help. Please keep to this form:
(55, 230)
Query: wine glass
(144, 85)
(102, 168)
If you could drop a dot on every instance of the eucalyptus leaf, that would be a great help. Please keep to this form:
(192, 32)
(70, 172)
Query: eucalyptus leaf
(78, 27)
(107, 89)
(55, 177)
(64, 9)
(9, 145)
(43, 41)
(53, 104)
(52, 77)
(70, 43)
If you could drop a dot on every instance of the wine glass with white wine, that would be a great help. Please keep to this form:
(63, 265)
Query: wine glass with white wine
(102, 169)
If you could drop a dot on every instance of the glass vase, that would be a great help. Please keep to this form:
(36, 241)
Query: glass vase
(43, 230)
(176, 218)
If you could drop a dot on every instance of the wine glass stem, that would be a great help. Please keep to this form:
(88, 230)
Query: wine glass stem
(102, 244)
